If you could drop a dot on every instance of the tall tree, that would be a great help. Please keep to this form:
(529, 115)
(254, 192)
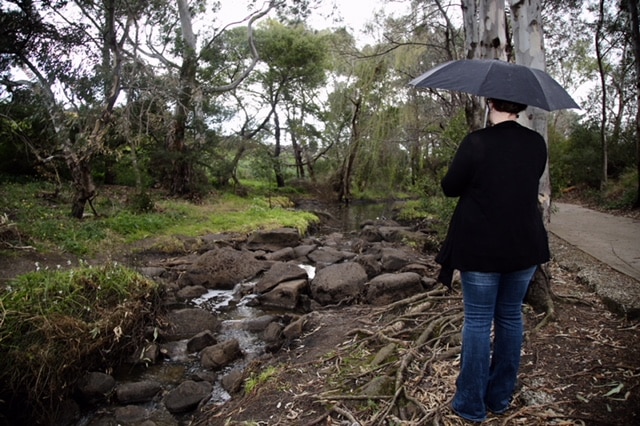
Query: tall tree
(91, 86)
(634, 23)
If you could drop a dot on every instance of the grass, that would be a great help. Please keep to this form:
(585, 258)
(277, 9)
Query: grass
(43, 220)
(57, 324)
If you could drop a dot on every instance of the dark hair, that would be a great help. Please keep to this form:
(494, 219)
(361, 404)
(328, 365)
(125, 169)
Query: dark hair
(507, 106)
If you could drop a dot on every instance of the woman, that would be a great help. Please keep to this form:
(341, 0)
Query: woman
(496, 239)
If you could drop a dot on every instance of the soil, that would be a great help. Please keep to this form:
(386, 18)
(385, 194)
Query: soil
(582, 368)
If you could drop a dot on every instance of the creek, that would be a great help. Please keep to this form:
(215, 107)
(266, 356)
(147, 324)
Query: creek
(234, 308)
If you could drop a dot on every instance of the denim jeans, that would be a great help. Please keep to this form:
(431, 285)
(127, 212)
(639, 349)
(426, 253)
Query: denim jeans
(487, 381)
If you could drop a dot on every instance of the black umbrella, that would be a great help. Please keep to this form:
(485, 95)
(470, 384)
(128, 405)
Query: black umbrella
(492, 78)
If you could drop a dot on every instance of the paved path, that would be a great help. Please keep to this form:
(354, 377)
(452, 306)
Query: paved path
(613, 240)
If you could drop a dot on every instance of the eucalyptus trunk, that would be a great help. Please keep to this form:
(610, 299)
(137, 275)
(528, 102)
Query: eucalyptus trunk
(528, 41)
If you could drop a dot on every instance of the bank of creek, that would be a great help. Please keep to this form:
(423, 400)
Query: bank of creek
(346, 326)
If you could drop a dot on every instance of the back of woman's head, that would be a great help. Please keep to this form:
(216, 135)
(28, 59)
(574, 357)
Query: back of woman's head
(507, 106)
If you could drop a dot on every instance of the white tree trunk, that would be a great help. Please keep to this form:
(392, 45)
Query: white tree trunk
(528, 41)
(471, 29)
(493, 32)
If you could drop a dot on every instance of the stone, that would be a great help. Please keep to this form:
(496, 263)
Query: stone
(201, 341)
(130, 393)
(286, 295)
(130, 414)
(279, 272)
(274, 239)
(232, 382)
(281, 255)
(187, 322)
(190, 292)
(186, 396)
(222, 269)
(338, 283)
(388, 288)
(95, 386)
(220, 355)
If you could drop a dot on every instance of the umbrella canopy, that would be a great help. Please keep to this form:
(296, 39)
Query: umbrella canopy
(492, 78)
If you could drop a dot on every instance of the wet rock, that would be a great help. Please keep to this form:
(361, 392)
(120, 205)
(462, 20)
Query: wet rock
(273, 240)
(222, 269)
(232, 382)
(329, 255)
(187, 396)
(302, 251)
(190, 292)
(220, 355)
(294, 329)
(95, 386)
(394, 259)
(130, 393)
(338, 283)
(272, 336)
(281, 255)
(279, 272)
(201, 341)
(185, 323)
(388, 288)
(286, 295)
(130, 414)
(370, 263)
(258, 324)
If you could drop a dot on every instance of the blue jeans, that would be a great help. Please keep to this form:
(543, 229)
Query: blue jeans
(487, 381)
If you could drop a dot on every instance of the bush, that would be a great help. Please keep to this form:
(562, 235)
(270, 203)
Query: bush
(58, 324)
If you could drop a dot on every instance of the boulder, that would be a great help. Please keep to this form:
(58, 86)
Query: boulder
(190, 292)
(338, 283)
(186, 396)
(187, 322)
(388, 288)
(200, 341)
(394, 259)
(273, 240)
(131, 414)
(220, 355)
(222, 269)
(279, 272)
(95, 386)
(329, 255)
(281, 255)
(130, 393)
(286, 295)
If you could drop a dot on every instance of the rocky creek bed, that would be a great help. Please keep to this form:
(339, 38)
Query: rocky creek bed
(238, 305)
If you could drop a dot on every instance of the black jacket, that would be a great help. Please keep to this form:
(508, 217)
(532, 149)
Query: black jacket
(497, 225)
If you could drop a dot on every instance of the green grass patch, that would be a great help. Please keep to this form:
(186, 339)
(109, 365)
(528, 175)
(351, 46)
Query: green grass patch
(256, 380)
(57, 324)
(41, 216)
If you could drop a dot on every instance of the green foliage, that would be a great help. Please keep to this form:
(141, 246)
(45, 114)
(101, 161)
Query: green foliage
(42, 219)
(576, 160)
(622, 193)
(56, 324)
(256, 380)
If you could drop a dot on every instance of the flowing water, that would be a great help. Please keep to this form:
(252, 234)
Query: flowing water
(235, 309)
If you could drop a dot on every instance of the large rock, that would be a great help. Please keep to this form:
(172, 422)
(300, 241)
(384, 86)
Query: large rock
(220, 355)
(394, 259)
(185, 323)
(338, 283)
(187, 396)
(286, 295)
(95, 386)
(329, 255)
(129, 393)
(388, 288)
(273, 240)
(278, 273)
(222, 269)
